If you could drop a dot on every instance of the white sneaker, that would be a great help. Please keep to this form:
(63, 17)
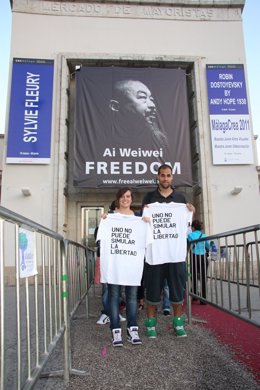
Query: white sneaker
(103, 320)
(121, 318)
(133, 336)
(117, 337)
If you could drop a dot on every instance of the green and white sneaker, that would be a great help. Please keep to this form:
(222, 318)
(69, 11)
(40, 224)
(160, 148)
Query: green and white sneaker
(178, 326)
(150, 327)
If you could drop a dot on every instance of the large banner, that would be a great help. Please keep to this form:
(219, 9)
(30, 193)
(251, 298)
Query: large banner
(128, 121)
(231, 138)
(29, 131)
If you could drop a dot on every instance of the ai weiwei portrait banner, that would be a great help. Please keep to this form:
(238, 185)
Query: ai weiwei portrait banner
(128, 121)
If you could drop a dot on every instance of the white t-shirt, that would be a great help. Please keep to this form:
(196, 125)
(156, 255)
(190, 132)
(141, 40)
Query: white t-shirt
(123, 239)
(170, 222)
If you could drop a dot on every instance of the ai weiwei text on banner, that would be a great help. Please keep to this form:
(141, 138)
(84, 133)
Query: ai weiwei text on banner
(128, 121)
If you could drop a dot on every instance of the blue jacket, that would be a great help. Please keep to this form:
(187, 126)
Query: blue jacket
(200, 247)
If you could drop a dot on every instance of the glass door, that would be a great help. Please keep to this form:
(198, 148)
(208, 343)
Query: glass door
(90, 217)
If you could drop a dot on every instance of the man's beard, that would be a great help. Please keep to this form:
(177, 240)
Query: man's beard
(156, 131)
(165, 186)
(137, 126)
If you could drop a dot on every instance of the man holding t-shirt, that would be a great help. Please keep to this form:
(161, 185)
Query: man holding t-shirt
(165, 257)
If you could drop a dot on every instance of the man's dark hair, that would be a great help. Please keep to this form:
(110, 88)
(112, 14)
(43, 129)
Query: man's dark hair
(164, 166)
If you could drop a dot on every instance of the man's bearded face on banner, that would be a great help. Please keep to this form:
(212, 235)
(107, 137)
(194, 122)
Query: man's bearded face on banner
(134, 98)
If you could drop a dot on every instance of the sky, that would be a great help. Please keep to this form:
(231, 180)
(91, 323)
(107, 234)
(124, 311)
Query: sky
(251, 27)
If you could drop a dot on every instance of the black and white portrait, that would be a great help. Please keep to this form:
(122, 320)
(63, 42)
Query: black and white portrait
(135, 113)
(128, 121)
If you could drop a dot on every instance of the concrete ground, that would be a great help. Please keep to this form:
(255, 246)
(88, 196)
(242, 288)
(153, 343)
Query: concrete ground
(166, 363)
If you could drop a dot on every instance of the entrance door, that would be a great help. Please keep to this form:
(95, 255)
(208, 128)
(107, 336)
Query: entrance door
(90, 217)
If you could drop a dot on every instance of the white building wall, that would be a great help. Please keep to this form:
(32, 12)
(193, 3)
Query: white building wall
(61, 31)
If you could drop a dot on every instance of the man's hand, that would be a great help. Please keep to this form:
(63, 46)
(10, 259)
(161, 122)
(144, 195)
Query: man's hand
(191, 207)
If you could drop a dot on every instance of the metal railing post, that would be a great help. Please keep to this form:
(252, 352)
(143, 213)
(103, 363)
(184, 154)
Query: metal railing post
(2, 308)
(64, 292)
(188, 288)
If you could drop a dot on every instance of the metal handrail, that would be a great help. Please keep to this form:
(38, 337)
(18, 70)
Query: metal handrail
(233, 277)
(45, 296)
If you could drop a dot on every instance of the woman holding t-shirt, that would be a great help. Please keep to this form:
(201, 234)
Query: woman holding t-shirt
(126, 270)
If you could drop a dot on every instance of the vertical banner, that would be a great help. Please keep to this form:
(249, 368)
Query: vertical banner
(128, 121)
(231, 137)
(27, 253)
(30, 116)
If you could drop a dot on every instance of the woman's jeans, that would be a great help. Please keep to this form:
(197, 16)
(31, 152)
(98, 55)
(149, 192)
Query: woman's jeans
(105, 301)
(114, 292)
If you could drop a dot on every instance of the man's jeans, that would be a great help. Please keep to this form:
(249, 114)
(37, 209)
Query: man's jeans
(131, 305)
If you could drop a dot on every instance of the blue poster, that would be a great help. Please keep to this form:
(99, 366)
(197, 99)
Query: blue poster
(30, 116)
(230, 125)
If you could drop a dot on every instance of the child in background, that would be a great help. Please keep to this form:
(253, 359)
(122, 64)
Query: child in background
(199, 259)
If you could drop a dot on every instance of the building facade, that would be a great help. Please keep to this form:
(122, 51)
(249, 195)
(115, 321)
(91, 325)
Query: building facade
(201, 38)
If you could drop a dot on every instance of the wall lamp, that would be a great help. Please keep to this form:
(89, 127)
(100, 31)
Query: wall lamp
(78, 67)
(236, 190)
(26, 191)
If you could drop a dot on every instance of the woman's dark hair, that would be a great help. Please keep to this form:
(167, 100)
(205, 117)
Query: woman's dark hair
(112, 207)
(196, 224)
(120, 193)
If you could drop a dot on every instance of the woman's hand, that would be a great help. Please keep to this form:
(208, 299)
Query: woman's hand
(104, 216)
(146, 219)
